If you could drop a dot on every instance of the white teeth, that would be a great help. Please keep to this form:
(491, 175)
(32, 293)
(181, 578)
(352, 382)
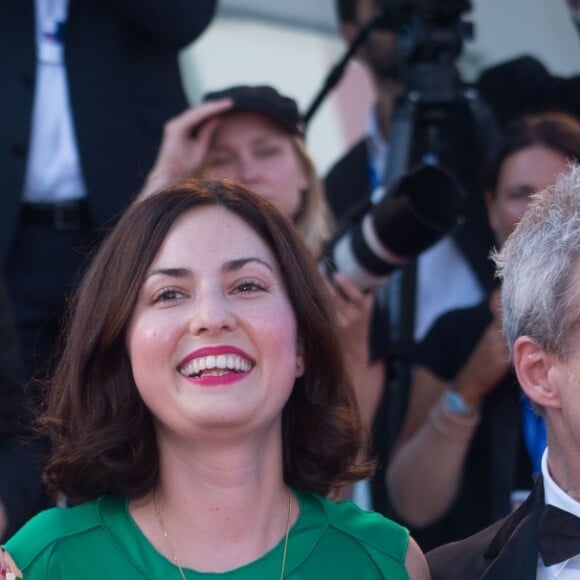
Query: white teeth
(211, 364)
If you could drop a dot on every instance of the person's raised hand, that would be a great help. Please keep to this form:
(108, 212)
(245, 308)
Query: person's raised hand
(353, 309)
(184, 146)
(488, 363)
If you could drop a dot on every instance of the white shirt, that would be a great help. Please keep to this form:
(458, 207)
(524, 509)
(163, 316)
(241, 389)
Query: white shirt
(53, 171)
(556, 496)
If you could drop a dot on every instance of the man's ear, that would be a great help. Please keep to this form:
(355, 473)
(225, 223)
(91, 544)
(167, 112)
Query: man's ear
(532, 365)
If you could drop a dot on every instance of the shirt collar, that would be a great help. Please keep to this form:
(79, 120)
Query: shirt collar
(556, 496)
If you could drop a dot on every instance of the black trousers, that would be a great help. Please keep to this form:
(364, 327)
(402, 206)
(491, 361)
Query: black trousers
(44, 265)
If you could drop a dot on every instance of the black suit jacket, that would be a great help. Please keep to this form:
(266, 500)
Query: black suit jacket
(507, 550)
(124, 83)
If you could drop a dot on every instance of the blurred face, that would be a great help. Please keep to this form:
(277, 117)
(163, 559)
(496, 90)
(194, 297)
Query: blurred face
(213, 339)
(379, 50)
(522, 174)
(257, 152)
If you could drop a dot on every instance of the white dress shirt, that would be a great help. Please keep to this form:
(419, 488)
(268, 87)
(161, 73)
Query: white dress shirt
(556, 496)
(53, 170)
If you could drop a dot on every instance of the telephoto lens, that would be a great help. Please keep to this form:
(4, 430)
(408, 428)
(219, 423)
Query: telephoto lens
(421, 208)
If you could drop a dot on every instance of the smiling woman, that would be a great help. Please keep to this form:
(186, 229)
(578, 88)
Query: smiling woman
(198, 315)
(201, 409)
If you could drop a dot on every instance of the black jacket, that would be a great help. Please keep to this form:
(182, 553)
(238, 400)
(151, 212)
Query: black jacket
(507, 550)
(124, 83)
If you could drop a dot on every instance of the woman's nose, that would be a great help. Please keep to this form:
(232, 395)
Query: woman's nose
(212, 313)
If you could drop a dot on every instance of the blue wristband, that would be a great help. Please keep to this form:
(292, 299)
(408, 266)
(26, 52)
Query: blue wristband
(456, 404)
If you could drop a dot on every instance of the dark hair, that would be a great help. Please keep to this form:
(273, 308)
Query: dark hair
(346, 10)
(557, 131)
(102, 433)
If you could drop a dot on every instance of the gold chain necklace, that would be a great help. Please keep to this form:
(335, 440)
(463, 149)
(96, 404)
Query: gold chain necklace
(174, 556)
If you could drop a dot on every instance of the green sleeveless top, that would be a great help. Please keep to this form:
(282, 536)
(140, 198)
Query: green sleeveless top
(99, 539)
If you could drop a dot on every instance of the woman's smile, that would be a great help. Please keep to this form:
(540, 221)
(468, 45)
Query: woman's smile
(215, 366)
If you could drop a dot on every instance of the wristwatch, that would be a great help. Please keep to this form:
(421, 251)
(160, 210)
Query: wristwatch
(456, 404)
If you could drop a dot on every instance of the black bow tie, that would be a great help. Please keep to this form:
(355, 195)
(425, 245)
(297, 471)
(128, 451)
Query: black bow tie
(558, 535)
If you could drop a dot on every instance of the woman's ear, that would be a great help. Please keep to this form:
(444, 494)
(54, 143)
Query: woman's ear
(532, 365)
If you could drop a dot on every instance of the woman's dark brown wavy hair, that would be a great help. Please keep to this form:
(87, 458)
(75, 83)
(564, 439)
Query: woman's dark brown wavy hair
(102, 434)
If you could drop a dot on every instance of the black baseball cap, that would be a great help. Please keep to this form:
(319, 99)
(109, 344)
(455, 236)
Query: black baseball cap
(263, 99)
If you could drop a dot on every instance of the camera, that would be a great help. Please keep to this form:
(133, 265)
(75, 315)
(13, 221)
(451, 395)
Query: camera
(417, 207)
(429, 36)
(426, 28)
(421, 208)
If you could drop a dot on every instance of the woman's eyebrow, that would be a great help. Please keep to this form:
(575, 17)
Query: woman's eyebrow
(229, 266)
(233, 265)
(173, 272)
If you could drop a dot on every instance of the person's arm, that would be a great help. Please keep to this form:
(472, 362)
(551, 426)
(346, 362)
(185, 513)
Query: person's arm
(354, 311)
(434, 440)
(431, 448)
(415, 562)
(173, 23)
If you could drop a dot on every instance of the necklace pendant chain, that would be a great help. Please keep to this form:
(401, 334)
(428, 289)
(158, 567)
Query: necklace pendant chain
(285, 551)
(174, 555)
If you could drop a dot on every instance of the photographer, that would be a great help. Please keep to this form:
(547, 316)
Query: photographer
(454, 273)
(456, 270)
